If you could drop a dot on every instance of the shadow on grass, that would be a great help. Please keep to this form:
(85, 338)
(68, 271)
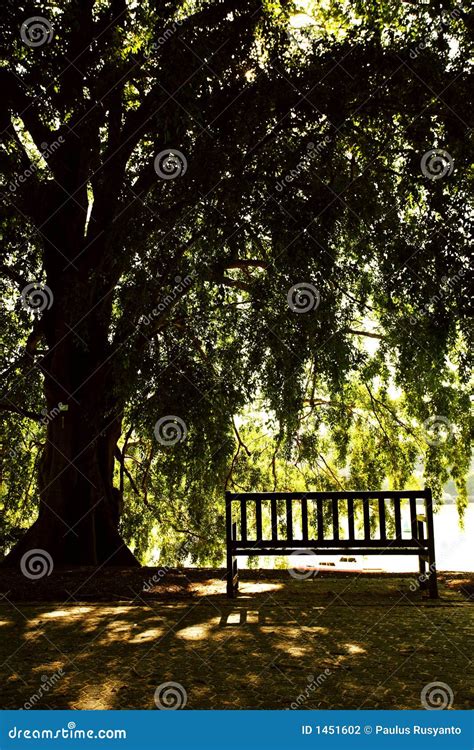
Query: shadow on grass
(320, 643)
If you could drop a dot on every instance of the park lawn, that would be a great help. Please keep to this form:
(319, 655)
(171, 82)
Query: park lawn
(327, 642)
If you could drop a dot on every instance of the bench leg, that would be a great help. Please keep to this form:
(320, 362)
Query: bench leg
(432, 580)
(432, 577)
(232, 576)
(422, 578)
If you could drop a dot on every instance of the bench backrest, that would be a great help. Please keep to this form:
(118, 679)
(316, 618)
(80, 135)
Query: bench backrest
(292, 520)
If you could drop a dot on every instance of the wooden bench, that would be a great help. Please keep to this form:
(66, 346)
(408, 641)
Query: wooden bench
(324, 523)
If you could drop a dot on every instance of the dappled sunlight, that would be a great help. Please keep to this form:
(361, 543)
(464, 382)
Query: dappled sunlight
(248, 588)
(148, 635)
(234, 618)
(69, 612)
(257, 651)
(197, 632)
(316, 630)
(100, 697)
(116, 631)
(354, 648)
(252, 617)
(293, 649)
(284, 632)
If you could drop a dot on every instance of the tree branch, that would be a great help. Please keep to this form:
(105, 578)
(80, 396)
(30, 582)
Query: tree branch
(13, 275)
(7, 406)
(123, 470)
(369, 334)
(227, 281)
(250, 263)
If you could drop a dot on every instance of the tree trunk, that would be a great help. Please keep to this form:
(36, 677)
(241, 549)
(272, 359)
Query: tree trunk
(79, 508)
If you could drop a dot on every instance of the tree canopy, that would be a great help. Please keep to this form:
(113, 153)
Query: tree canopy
(235, 252)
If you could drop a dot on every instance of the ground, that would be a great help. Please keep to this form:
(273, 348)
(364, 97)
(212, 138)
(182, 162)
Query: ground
(111, 641)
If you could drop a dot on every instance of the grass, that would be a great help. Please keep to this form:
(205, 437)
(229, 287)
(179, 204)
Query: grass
(326, 642)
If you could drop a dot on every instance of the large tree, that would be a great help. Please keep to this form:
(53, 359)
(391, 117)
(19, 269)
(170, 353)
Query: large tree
(171, 172)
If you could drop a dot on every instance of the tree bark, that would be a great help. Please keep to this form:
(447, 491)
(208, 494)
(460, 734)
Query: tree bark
(79, 507)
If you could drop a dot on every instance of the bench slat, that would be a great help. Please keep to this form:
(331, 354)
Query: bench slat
(243, 520)
(304, 517)
(350, 518)
(258, 518)
(331, 543)
(414, 530)
(319, 504)
(335, 519)
(365, 502)
(398, 518)
(253, 551)
(273, 504)
(330, 494)
(289, 519)
(383, 528)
